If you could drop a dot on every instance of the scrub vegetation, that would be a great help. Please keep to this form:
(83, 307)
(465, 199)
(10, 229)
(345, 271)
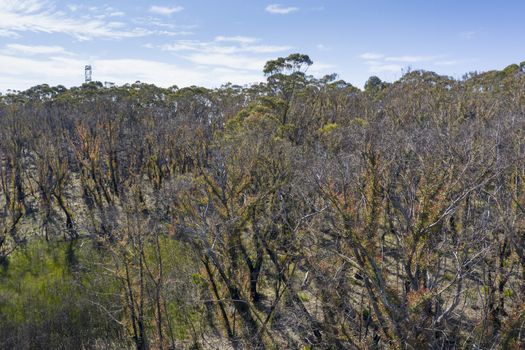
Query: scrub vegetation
(299, 213)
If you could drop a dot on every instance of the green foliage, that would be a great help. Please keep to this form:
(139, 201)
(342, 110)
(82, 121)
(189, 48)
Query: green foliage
(360, 122)
(293, 63)
(511, 69)
(373, 84)
(303, 296)
(41, 293)
(328, 128)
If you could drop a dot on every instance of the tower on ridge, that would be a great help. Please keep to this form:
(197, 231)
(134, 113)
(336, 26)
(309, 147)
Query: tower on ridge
(87, 73)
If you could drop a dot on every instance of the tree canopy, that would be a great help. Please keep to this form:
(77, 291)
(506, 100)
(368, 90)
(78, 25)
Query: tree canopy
(299, 213)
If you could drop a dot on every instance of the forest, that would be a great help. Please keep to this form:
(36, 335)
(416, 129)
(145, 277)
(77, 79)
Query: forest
(298, 213)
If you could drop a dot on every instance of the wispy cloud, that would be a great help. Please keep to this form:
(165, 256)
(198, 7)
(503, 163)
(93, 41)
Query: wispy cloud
(228, 61)
(382, 68)
(100, 12)
(36, 49)
(165, 10)
(410, 59)
(379, 63)
(18, 16)
(161, 26)
(321, 68)
(116, 14)
(279, 9)
(8, 33)
(454, 62)
(371, 56)
(468, 34)
(224, 45)
(322, 47)
(237, 39)
(233, 52)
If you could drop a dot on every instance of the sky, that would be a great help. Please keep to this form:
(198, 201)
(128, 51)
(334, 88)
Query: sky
(213, 42)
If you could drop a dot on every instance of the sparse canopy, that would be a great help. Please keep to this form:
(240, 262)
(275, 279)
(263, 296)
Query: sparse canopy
(288, 65)
(299, 213)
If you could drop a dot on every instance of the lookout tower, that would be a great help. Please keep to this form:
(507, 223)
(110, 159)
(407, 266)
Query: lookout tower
(87, 73)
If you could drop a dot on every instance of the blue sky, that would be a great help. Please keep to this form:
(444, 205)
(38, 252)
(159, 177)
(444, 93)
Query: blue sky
(211, 42)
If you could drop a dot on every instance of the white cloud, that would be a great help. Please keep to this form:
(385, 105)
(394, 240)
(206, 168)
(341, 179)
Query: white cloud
(130, 70)
(164, 10)
(21, 73)
(379, 63)
(116, 14)
(321, 68)
(172, 33)
(228, 61)
(236, 39)
(374, 63)
(35, 49)
(265, 48)
(381, 68)
(236, 52)
(410, 59)
(322, 47)
(161, 23)
(216, 47)
(24, 6)
(454, 62)
(41, 16)
(98, 12)
(8, 33)
(371, 56)
(280, 9)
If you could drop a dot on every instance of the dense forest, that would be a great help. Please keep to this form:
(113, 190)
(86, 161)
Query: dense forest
(298, 213)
